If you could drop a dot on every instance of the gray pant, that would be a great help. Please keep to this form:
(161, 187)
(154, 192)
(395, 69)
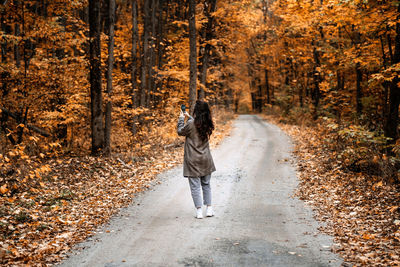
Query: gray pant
(198, 184)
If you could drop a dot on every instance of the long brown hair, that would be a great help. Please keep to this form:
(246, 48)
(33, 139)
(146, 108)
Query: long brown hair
(203, 120)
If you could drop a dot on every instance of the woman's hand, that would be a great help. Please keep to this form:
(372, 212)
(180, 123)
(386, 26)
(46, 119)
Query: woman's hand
(184, 114)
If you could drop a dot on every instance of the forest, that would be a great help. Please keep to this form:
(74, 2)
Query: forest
(91, 89)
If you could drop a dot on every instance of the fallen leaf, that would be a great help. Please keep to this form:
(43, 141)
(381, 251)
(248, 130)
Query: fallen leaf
(4, 189)
(393, 209)
(368, 236)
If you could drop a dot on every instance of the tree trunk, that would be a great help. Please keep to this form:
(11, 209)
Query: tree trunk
(5, 28)
(193, 55)
(152, 63)
(265, 13)
(17, 54)
(206, 54)
(317, 79)
(21, 129)
(358, 88)
(135, 39)
(110, 65)
(267, 89)
(392, 120)
(160, 45)
(385, 84)
(95, 78)
(105, 16)
(43, 11)
(145, 53)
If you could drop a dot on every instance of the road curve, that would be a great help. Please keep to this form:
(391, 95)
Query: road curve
(257, 222)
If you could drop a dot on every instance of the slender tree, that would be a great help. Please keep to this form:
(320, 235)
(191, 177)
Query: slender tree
(316, 94)
(392, 120)
(95, 78)
(208, 32)
(193, 54)
(17, 33)
(110, 65)
(265, 13)
(160, 44)
(359, 76)
(145, 53)
(135, 39)
(152, 57)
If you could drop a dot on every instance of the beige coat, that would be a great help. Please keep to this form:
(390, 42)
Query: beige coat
(197, 159)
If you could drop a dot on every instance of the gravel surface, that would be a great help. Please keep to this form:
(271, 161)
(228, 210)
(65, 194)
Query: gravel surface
(256, 222)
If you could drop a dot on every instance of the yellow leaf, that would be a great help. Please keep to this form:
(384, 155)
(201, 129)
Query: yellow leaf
(146, 147)
(368, 236)
(6, 159)
(393, 209)
(4, 189)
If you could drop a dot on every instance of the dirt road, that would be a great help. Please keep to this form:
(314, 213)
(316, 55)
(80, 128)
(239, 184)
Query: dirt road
(257, 223)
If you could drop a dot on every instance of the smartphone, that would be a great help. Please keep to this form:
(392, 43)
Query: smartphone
(183, 107)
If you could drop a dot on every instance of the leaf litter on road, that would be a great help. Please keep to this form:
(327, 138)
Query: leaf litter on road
(359, 210)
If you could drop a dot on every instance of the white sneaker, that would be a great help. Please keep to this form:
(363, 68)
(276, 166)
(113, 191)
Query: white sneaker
(199, 213)
(209, 212)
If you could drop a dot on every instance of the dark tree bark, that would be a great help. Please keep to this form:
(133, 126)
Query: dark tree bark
(316, 78)
(267, 89)
(385, 84)
(145, 53)
(135, 40)
(152, 85)
(20, 132)
(340, 80)
(301, 93)
(6, 29)
(160, 45)
(95, 78)
(193, 55)
(259, 98)
(105, 16)
(267, 86)
(358, 89)
(43, 8)
(392, 120)
(84, 14)
(110, 65)
(17, 32)
(208, 11)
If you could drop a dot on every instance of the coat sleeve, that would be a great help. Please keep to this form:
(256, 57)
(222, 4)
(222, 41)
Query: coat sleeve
(183, 128)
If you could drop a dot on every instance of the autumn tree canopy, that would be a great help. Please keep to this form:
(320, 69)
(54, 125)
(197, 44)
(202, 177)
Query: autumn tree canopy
(49, 52)
(320, 59)
(335, 59)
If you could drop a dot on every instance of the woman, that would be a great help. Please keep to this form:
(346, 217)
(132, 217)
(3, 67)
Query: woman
(198, 163)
